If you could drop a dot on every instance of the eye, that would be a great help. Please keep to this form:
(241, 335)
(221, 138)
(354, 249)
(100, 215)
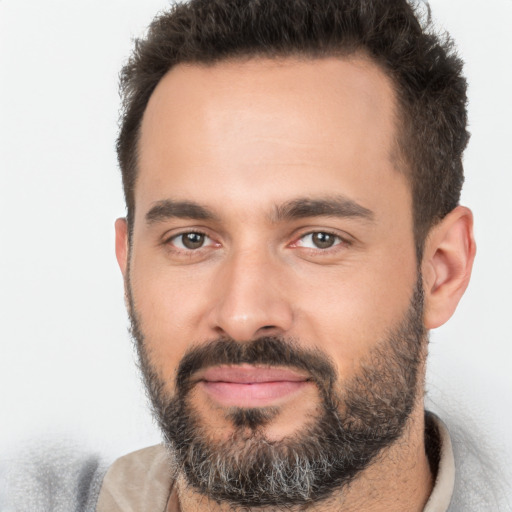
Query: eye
(319, 240)
(190, 241)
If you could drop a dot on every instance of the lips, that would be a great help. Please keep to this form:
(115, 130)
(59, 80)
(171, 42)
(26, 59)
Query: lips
(249, 386)
(246, 374)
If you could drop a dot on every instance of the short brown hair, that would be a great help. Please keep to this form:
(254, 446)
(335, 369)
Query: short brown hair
(426, 71)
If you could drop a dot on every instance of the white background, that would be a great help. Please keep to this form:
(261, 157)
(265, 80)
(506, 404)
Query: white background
(66, 362)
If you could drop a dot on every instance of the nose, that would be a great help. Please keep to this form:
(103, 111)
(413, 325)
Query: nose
(251, 299)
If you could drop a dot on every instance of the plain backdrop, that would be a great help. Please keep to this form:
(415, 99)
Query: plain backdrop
(66, 361)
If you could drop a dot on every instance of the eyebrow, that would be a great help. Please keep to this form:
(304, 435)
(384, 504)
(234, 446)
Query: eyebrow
(169, 209)
(333, 206)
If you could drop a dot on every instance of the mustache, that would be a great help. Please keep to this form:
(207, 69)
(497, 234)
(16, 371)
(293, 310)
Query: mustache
(267, 350)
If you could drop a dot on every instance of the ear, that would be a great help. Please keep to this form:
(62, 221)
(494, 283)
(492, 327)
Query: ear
(446, 266)
(122, 244)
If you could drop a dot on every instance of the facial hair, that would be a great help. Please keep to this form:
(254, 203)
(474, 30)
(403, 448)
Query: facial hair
(359, 418)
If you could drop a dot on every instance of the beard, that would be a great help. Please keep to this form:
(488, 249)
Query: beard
(357, 419)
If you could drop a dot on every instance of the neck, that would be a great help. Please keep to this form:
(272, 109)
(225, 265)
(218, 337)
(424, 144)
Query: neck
(399, 480)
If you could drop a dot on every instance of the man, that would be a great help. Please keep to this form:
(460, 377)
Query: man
(292, 172)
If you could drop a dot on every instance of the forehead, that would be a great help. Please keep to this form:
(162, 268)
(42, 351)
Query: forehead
(274, 127)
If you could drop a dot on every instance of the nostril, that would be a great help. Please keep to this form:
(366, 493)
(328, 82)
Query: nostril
(220, 331)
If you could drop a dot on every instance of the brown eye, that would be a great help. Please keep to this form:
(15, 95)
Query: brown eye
(323, 240)
(190, 240)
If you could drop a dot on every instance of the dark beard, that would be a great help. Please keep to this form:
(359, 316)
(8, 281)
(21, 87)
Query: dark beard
(355, 422)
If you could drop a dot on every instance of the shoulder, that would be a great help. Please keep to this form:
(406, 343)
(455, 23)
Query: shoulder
(479, 485)
(141, 480)
(51, 478)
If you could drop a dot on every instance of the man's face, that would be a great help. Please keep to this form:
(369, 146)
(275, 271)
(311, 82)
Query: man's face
(269, 210)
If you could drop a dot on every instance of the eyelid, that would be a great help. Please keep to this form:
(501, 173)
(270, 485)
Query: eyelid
(168, 238)
(344, 239)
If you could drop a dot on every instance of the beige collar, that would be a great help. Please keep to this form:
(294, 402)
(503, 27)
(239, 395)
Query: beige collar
(142, 480)
(137, 482)
(441, 495)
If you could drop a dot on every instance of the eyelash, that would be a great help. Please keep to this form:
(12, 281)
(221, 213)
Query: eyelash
(168, 241)
(340, 242)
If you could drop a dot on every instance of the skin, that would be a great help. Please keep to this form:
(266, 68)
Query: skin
(241, 139)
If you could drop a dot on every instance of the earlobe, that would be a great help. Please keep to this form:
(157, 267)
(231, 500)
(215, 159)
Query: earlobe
(447, 262)
(121, 227)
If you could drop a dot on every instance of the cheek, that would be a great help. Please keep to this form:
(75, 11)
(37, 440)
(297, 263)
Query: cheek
(167, 304)
(356, 310)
